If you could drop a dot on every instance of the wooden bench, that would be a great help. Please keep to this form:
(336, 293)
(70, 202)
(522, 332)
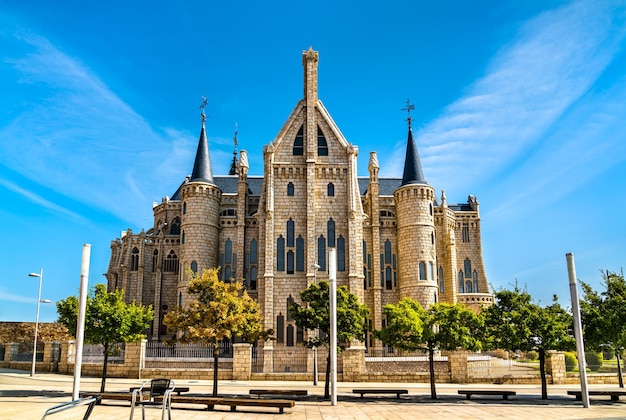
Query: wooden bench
(364, 391)
(469, 392)
(120, 396)
(613, 394)
(233, 403)
(259, 392)
(177, 390)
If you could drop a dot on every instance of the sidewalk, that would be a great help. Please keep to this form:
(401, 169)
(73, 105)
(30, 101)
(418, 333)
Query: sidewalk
(25, 398)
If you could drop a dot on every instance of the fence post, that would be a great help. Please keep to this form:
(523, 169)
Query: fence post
(555, 366)
(67, 348)
(353, 362)
(457, 365)
(47, 356)
(242, 361)
(9, 350)
(134, 358)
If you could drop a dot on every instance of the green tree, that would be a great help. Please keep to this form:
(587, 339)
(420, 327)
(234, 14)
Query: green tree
(443, 326)
(314, 314)
(220, 311)
(515, 323)
(604, 317)
(108, 320)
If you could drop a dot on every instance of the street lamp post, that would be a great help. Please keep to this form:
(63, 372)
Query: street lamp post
(315, 267)
(39, 301)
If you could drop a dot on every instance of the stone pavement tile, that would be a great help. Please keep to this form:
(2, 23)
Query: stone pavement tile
(24, 398)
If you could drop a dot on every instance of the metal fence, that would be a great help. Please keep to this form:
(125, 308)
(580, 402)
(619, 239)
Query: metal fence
(159, 350)
(94, 353)
(479, 365)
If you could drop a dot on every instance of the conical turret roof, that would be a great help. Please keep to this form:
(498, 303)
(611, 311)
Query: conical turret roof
(202, 171)
(412, 167)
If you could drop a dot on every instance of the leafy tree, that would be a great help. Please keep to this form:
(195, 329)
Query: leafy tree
(108, 320)
(515, 323)
(219, 312)
(443, 326)
(604, 317)
(314, 314)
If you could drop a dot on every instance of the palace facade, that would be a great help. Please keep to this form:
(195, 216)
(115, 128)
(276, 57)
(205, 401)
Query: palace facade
(394, 237)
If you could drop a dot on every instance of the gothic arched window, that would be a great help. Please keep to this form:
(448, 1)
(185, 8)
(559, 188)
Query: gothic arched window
(322, 146)
(134, 259)
(298, 143)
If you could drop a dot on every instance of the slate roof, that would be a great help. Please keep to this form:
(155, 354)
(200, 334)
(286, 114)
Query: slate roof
(202, 171)
(412, 167)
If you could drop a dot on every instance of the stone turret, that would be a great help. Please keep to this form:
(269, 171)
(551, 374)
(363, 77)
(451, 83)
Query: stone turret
(200, 216)
(416, 230)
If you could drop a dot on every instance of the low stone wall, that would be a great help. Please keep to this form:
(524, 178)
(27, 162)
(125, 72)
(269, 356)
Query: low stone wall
(400, 367)
(352, 366)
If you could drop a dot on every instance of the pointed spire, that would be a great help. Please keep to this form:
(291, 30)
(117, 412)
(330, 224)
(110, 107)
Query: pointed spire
(233, 164)
(202, 171)
(412, 167)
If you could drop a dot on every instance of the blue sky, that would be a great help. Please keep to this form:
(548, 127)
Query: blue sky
(520, 103)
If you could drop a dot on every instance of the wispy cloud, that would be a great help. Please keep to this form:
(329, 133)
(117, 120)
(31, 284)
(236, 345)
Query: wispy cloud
(78, 137)
(15, 298)
(537, 77)
(40, 201)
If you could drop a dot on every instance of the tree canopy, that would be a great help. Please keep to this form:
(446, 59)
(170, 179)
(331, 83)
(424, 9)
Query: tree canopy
(314, 313)
(604, 317)
(515, 323)
(443, 326)
(108, 320)
(220, 311)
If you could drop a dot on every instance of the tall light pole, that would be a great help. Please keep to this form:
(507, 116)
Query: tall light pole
(39, 302)
(315, 267)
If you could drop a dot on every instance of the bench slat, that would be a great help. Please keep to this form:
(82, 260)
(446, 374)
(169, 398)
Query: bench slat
(233, 402)
(469, 392)
(398, 392)
(613, 394)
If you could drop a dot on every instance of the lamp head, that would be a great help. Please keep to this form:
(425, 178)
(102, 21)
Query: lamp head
(34, 275)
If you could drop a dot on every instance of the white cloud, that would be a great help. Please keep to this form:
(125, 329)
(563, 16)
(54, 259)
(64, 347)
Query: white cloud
(530, 84)
(79, 138)
(40, 201)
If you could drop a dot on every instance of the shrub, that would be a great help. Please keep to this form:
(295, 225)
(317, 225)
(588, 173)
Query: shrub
(608, 354)
(532, 355)
(570, 361)
(594, 360)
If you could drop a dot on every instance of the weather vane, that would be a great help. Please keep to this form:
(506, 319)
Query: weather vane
(204, 103)
(408, 109)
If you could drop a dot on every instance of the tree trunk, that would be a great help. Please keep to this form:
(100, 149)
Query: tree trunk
(619, 370)
(327, 384)
(215, 366)
(104, 366)
(431, 367)
(542, 370)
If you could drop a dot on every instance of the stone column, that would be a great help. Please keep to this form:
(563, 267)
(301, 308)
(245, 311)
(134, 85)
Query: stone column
(68, 350)
(353, 363)
(134, 358)
(47, 357)
(242, 361)
(457, 364)
(555, 366)
(9, 350)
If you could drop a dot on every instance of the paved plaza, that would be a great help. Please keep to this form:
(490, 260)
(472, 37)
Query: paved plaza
(24, 398)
